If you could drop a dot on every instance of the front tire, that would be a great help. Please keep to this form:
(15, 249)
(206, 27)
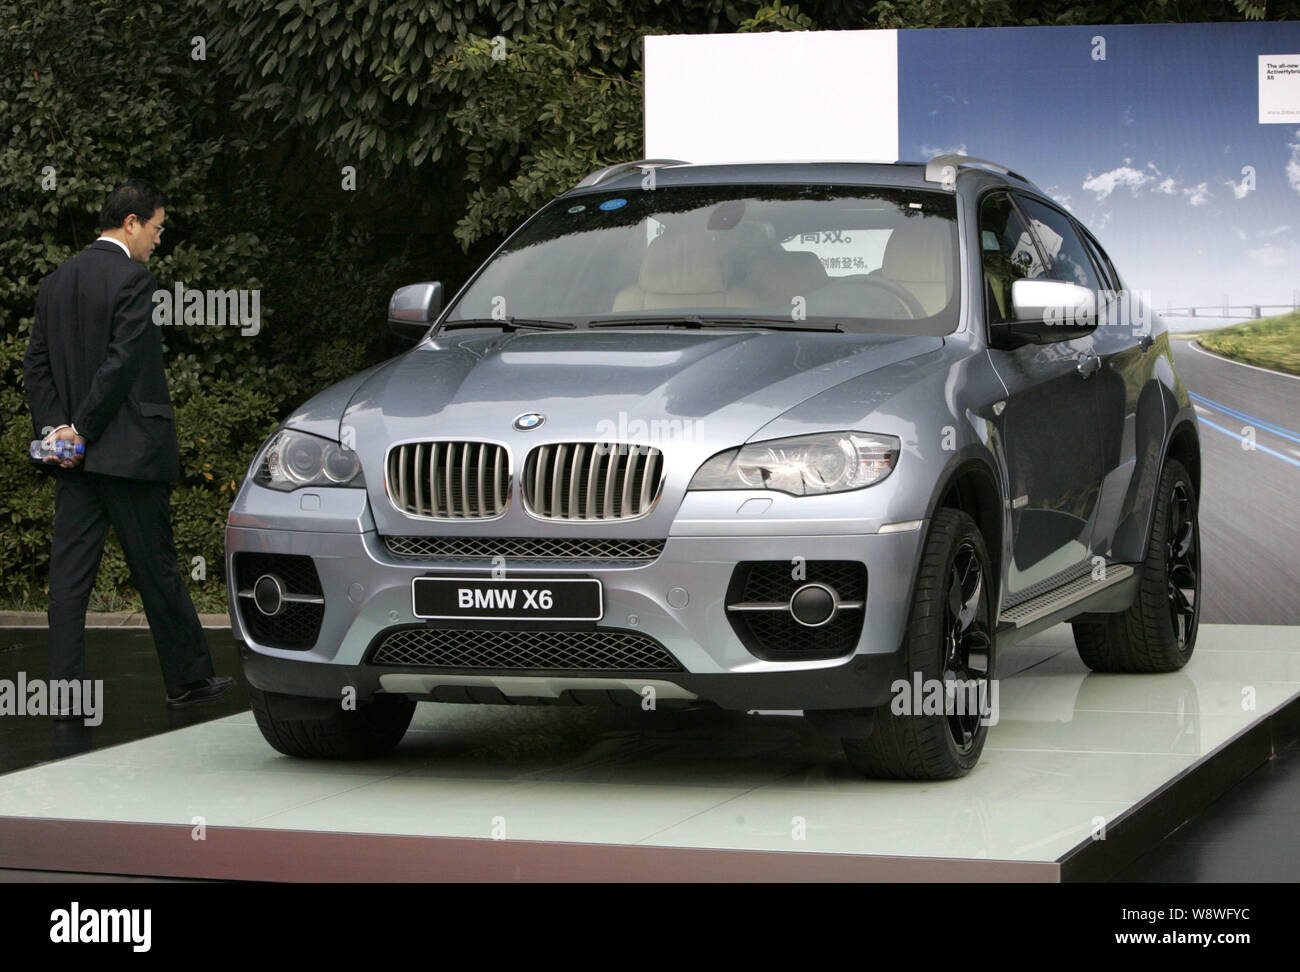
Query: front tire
(1158, 632)
(323, 729)
(950, 638)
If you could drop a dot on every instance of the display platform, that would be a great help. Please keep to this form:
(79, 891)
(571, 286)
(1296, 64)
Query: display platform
(1082, 773)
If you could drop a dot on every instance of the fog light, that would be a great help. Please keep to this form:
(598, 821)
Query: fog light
(268, 595)
(814, 605)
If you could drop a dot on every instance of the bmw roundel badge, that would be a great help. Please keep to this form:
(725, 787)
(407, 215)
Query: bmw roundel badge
(529, 421)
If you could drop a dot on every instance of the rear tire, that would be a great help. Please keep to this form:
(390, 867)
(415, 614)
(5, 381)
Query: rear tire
(372, 729)
(950, 635)
(1158, 632)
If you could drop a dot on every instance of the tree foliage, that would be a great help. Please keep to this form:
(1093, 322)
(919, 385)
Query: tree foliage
(363, 75)
(533, 118)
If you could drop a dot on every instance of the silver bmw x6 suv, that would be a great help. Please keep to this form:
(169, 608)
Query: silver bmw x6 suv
(816, 437)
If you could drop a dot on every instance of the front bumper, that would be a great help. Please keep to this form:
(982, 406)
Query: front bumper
(367, 592)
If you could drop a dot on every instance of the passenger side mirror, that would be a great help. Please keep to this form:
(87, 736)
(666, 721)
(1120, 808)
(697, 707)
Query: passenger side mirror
(413, 308)
(1046, 311)
(1054, 301)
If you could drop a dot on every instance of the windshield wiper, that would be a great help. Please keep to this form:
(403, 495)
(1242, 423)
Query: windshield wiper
(695, 321)
(690, 321)
(508, 324)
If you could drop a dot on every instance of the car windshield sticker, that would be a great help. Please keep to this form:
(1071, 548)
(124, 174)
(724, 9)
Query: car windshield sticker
(609, 204)
(576, 209)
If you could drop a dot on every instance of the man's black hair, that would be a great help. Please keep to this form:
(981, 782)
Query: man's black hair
(133, 196)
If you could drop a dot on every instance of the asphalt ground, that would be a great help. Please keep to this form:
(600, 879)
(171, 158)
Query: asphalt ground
(1250, 497)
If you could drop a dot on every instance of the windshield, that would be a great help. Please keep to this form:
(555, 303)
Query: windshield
(869, 259)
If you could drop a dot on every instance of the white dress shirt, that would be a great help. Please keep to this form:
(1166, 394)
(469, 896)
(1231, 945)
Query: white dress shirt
(118, 242)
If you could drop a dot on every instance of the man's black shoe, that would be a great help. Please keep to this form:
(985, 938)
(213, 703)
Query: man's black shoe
(196, 692)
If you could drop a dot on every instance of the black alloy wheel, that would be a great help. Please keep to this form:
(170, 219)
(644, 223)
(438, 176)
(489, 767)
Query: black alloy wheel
(969, 645)
(1182, 565)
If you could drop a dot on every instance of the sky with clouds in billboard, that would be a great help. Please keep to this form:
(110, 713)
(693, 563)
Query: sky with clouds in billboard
(1147, 147)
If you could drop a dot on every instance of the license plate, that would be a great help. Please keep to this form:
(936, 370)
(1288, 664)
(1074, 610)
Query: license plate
(474, 599)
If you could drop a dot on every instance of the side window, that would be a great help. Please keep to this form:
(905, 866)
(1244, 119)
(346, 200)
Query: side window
(1008, 253)
(1067, 258)
(1108, 272)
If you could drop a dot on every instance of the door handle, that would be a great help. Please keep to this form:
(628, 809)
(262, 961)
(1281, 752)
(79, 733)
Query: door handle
(1088, 363)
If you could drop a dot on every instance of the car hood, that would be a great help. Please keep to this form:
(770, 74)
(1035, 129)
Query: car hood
(736, 381)
(692, 393)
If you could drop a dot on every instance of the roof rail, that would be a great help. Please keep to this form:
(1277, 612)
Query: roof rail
(943, 168)
(621, 168)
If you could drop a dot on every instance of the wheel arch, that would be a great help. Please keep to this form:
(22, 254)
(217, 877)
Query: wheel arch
(1185, 446)
(972, 485)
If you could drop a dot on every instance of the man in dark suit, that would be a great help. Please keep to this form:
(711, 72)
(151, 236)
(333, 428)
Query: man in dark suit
(94, 375)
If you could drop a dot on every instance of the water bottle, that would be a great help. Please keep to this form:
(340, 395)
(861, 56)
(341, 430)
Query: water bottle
(59, 448)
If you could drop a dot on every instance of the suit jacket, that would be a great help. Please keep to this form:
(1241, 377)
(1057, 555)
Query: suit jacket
(95, 360)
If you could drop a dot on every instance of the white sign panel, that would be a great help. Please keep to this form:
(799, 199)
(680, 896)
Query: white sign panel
(760, 97)
(1279, 89)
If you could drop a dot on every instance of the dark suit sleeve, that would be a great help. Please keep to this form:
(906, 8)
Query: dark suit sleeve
(42, 397)
(127, 345)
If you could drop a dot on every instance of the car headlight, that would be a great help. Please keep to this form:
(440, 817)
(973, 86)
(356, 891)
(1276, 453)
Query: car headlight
(805, 465)
(291, 459)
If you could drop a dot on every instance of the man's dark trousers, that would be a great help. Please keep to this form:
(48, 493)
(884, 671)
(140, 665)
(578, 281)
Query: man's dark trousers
(140, 513)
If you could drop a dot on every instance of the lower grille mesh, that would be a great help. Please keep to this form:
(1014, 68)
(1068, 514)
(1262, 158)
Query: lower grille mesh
(298, 625)
(776, 635)
(523, 548)
(561, 651)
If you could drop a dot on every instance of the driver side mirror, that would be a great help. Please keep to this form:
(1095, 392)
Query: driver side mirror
(413, 308)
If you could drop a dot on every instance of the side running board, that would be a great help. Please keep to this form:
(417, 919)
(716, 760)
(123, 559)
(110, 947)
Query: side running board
(1062, 597)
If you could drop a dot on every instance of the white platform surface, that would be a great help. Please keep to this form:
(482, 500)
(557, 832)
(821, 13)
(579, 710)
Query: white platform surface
(1071, 748)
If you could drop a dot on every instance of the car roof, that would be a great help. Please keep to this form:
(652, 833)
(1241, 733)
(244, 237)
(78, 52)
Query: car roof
(919, 175)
